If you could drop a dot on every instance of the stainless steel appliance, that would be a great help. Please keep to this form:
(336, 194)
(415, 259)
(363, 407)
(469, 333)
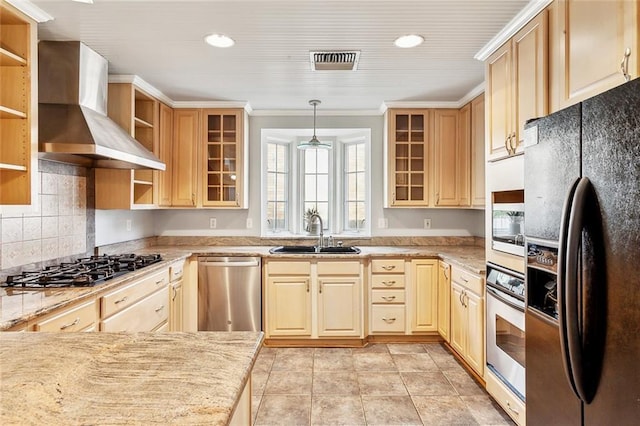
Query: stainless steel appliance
(82, 272)
(505, 327)
(229, 294)
(582, 192)
(507, 219)
(73, 125)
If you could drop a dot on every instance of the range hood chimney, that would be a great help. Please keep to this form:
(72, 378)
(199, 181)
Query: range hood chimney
(73, 125)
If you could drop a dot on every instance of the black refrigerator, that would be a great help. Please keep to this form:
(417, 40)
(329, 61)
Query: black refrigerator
(582, 227)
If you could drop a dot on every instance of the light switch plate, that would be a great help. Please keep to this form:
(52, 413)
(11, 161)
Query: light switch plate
(212, 222)
(383, 223)
(427, 224)
(128, 224)
(249, 223)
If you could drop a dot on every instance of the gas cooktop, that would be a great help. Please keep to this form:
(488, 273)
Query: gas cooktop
(82, 272)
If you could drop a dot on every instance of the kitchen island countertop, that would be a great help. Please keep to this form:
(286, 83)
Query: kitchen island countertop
(120, 378)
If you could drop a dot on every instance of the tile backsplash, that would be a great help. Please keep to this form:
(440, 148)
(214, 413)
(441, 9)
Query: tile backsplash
(57, 229)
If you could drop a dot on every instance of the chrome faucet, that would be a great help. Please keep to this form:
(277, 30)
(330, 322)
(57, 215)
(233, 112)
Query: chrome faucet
(321, 238)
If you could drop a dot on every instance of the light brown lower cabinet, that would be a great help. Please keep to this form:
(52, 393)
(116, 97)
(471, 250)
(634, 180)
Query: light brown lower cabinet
(147, 314)
(467, 318)
(444, 300)
(424, 303)
(313, 299)
(76, 318)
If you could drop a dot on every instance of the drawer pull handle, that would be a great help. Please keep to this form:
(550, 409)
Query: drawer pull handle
(71, 324)
(175, 293)
(159, 308)
(389, 298)
(512, 409)
(388, 320)
(124, 299)
(389, 283)
(160, 282)
(464, 279)
(388, 267)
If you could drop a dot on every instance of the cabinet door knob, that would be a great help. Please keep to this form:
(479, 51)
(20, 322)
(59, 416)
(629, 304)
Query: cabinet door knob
(624, 64)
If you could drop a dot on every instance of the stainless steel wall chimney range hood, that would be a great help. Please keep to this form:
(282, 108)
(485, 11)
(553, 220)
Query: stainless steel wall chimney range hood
(73, 125)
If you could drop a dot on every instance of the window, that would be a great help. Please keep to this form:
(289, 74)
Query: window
(335, 182)
(277, 184)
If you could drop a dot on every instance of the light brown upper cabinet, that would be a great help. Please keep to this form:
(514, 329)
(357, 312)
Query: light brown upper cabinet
(588, 43)
(407, 155)
(138, 113)
(165, 153)
(517, 87)
(17, 104)
(452, 145)
(224, 150)
(186, 139)
(477, 152)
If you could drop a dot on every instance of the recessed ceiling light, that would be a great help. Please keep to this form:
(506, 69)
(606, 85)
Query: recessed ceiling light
(219, 40)
(411, 40)
(84, 1)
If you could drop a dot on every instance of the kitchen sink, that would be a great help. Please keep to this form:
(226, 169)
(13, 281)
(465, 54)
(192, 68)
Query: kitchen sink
(312, 249)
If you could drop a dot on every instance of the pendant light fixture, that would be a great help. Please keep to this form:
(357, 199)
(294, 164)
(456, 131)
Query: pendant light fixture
(314, 143)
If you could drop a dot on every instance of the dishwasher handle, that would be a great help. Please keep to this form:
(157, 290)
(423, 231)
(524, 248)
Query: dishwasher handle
(227, 263)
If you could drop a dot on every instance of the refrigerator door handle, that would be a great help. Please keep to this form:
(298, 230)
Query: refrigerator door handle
(562, 283)
(572, 288)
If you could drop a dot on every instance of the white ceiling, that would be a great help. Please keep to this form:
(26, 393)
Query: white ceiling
(162, 42)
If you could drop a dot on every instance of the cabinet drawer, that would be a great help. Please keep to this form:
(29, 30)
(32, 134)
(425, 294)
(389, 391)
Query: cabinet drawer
(387, 296)
(387, 266)
(387, 318)
(121, 298)
(145, 315)
(339, 268)
(176, 271)
(289, 268)
(74, 319)
(511, 404)
(468, 280)
(387, 281)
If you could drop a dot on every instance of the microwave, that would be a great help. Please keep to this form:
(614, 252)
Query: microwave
(507, 227)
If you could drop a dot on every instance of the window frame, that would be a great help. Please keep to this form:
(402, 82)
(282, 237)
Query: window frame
(340, 139)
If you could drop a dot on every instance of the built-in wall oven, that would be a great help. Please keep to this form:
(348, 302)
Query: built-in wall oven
(505, 327)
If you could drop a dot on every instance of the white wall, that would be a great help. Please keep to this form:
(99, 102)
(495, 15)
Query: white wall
(454, 222)
(111, 225)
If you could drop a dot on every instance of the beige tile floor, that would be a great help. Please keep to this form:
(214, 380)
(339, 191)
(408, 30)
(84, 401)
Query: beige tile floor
(382, 384)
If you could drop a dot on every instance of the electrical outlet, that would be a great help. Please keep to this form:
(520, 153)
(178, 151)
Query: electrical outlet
(128, 224)
(383, 223)
(212, 222)
(249, 223)
(427, 224)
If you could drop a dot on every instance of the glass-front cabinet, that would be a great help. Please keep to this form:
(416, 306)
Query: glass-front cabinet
(407, 156)
(223, 158)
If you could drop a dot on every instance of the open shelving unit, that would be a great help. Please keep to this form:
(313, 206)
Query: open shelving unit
(137, 113)
(15, 107)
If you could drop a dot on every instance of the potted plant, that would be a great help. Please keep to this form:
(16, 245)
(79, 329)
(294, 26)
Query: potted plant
(311, 226)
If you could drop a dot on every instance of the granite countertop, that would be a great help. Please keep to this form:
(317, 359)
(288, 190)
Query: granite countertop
(17, 306)
(471, 258)
(119, 378)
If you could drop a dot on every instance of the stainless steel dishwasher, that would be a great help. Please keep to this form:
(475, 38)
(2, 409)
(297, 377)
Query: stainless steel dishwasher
(229, 294)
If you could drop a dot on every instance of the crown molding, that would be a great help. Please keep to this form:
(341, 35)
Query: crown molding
(420, 104)
(142, 85)
(31, 10)
(213, 104)
(520, 20)
(471, 95)
(305, 112)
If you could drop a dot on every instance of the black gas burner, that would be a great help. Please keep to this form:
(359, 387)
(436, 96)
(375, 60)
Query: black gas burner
(83, 272)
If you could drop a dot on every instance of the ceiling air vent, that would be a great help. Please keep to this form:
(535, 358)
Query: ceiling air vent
(335, 60)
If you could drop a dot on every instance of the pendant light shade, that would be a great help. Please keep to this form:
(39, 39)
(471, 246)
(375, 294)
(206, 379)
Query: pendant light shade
(314, 143)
